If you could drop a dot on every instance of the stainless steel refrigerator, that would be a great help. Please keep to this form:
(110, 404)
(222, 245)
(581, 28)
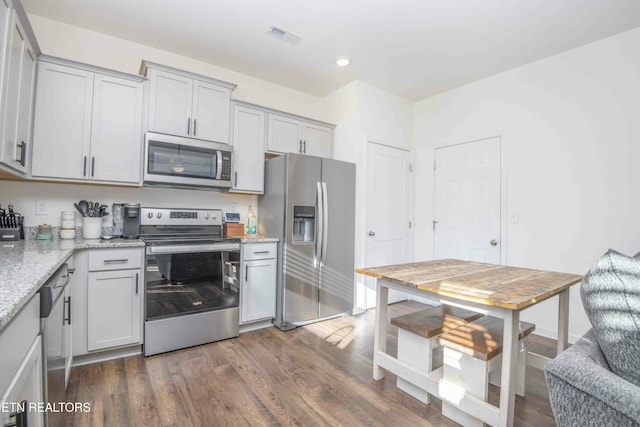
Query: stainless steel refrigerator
(309, 203)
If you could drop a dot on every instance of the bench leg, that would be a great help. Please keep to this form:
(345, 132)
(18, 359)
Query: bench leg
(417, 352)
(463, 374)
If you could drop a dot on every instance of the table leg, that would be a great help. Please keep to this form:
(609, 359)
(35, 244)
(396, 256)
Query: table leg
(509, 365)
(563, 321)
(380, 334)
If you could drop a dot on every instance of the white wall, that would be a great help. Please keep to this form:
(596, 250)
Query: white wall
(571, 128)
(365, 113)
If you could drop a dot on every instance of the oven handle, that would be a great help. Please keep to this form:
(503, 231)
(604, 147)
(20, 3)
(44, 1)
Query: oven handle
(176, 249)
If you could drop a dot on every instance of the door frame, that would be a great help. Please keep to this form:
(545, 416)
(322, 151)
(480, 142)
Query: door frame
(503, 184)
(367, 196)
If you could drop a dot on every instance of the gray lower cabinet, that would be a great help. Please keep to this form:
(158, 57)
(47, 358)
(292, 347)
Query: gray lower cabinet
(21, 376)
(108, 308)
(258, 283)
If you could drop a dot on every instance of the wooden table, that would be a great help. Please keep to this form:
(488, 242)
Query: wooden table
(496, 290)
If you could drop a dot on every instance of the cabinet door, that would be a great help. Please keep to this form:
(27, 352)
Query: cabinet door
(170, 103)
(5, 16)
(11, 98)
(258, 290)
(317, 140)
(62, 122)
(284, 135)
(25, 388)
(21, 158)
(248, 150)
(114, 315)
(116, 130)
(210, 115)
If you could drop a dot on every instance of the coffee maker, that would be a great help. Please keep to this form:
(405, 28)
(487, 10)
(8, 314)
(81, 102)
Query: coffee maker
(131, 221)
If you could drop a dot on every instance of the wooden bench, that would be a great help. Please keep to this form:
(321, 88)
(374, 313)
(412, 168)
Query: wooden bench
(417, 338)
(472, 359)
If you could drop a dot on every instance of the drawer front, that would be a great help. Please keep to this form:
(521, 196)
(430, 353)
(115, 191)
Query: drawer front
(253, 251)
(115, 259)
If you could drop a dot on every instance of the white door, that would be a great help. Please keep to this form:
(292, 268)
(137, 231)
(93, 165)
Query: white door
(388, 213)
(62, 127)
(248, 150)
(317, 140)
(210, 112)
(467, 201)
(170, 103)
(116, 130)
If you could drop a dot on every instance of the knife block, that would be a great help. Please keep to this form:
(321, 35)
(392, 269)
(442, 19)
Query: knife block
(13, 233)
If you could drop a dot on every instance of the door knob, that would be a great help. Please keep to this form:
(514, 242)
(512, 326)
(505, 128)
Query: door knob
(494, 242)
(372, 233)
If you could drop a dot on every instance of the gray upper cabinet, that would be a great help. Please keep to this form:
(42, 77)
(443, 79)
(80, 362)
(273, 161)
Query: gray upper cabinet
(17, 76)
(249, 133)
(186, 104)
(291, 134)
(88, 124)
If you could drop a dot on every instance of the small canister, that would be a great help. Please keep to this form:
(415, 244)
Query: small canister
(44, 232)
(68, 225)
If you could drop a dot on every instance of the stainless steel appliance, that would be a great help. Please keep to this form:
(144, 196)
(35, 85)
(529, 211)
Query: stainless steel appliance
(131, 221)
(191, 279)
(55, 321)
(309, 203)
(174, 161)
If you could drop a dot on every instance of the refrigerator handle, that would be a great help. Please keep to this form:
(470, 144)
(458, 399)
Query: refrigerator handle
(325, 223)
(319, 225)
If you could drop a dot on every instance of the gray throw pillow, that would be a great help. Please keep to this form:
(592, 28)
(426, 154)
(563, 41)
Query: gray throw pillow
(610, 294)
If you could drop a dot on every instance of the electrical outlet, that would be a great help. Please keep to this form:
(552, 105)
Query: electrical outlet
(41, 207)
(234, 208)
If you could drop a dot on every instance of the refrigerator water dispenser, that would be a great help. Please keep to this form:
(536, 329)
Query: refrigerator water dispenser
(304, 224)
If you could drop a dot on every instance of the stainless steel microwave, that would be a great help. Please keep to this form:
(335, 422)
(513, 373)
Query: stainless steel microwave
(174, 161)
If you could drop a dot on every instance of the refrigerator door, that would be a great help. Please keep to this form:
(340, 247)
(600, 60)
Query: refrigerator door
(300, 274)
(337, 274)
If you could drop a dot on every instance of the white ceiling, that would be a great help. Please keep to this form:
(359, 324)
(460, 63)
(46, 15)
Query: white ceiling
(414, 48)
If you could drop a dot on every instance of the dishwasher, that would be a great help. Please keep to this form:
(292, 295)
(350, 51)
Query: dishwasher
(55, 321)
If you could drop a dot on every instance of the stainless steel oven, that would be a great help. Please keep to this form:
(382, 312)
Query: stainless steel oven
(191, 279)
(185, 162)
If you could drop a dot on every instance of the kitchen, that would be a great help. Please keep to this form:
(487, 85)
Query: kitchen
(63, 40)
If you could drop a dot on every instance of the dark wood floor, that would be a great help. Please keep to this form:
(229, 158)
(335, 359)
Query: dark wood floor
(317, 375)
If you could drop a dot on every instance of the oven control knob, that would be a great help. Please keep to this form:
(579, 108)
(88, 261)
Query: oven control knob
(206, 216)
(150, 215)
(159, 215)
(213, 215)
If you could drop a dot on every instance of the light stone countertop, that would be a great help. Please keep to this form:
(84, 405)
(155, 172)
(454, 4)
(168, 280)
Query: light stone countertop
(26, 264)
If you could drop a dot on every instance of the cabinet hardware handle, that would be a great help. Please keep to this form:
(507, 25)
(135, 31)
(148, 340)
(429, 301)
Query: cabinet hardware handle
(236, 179)
(113, 261)
(84, 169)
(136, 283)
(71, 270)
(20, 416)
(93, 166)
(304, 147)
(300, 148)
(67, 319)
(188, 125)
(194, 127)
(23, 153)
(246, 272)
(261, 252)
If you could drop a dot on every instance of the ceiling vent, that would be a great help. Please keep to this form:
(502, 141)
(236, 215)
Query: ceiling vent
(283, 35)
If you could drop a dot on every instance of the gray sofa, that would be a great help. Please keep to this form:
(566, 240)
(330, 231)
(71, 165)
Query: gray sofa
(596, 382)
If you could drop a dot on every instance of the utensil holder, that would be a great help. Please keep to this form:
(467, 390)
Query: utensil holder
(91, 227)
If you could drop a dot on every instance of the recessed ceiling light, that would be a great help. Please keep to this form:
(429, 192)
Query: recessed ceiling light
(342, 61)
(284, 35)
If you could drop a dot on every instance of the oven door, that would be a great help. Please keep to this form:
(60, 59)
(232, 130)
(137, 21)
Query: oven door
(180, 162)
(189, 279)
